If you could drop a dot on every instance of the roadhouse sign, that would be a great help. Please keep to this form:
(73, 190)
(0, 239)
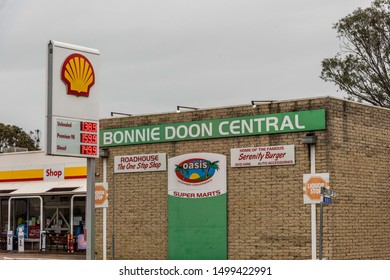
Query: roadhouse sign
(140, 163)
(263, 156)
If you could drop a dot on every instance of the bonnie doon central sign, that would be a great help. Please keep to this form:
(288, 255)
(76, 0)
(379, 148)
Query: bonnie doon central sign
(218, 128)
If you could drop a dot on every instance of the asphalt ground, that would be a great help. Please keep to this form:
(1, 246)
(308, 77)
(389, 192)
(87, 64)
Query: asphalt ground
(37, 255)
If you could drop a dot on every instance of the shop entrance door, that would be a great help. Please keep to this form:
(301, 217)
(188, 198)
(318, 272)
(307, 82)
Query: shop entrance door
(57, 219)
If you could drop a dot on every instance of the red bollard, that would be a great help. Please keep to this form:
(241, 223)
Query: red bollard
(70, 243)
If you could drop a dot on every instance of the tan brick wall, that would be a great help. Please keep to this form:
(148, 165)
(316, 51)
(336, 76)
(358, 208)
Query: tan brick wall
(266, 215)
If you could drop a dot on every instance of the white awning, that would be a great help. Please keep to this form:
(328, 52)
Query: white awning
(76, 186)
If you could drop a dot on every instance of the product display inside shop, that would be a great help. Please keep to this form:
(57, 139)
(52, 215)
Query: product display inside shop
(47, 223)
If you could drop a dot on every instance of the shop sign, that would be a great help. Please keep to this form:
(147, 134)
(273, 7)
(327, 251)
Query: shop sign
(140, 163)
(218, 128)
(198, 175)
(54, 173)
(47, 173)
(101, 195)
(262, 156)
(313, 185)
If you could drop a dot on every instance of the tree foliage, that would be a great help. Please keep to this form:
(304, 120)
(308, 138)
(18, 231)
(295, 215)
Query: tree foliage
(13, 136)
(362, 67)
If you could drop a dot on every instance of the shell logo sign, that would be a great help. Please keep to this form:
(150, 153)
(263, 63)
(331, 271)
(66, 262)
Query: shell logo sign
(78, 74)
(196, 170)
(312, 186)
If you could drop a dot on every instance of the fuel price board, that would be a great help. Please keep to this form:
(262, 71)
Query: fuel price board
(73, 137)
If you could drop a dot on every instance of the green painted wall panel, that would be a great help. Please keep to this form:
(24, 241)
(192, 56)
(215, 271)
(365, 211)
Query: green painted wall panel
(197, 228)
(197, 207)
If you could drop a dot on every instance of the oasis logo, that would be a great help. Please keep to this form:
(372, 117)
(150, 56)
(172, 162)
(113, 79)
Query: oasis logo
(196, 170)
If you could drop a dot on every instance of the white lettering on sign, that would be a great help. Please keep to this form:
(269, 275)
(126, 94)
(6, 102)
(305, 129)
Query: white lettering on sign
(99, 195)
(188, 131)
(140, 163)
(54, 173)
(216, 128)
(315, 188)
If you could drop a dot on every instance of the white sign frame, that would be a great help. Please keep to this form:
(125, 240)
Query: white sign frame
(306, 178)
(140, 163)
(64, 106)
(216, 185)
(105, 204)
(262, 156)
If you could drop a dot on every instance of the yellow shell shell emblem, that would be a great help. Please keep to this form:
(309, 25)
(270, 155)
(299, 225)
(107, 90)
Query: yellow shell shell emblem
(77, 73)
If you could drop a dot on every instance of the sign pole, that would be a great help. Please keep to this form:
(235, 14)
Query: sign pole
(73, 115)
(104, 213)
(321, 228)
(313, 205)
(90, 211)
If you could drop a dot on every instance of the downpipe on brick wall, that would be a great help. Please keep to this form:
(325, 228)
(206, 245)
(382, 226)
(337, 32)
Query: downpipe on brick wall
(113, 218)
(313, 205)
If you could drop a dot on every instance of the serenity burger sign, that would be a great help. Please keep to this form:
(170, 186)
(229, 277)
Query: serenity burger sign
(73, 100)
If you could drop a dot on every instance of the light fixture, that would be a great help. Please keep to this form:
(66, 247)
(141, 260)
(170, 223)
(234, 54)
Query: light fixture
(104, 153)
(309, 138)
(185, 107)
(123, 114)
(260, 101)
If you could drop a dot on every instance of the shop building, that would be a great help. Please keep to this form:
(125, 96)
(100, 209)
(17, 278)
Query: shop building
(159, 168)
(41, 194)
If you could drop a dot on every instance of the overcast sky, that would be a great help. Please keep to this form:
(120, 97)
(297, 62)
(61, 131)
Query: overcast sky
(158, 54)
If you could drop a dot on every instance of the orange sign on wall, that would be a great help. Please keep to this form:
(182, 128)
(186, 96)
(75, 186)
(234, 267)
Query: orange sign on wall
(312, 185)
(101, 195)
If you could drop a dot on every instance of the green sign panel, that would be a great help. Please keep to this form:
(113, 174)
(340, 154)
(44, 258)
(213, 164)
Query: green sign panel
(197, 207)
(219, 128)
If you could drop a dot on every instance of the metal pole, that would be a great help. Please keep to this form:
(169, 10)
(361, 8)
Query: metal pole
(321, 231)
(113, 219)
(313, 205)
(9, 214)
(104, 213)
(90, 209)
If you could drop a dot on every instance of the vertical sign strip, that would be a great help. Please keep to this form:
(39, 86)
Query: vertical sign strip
(197, 207)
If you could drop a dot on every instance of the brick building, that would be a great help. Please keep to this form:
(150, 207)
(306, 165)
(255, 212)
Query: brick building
(265, 215)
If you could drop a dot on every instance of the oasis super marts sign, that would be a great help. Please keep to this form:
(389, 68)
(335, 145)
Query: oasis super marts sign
(197, 207)
(198, 176)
